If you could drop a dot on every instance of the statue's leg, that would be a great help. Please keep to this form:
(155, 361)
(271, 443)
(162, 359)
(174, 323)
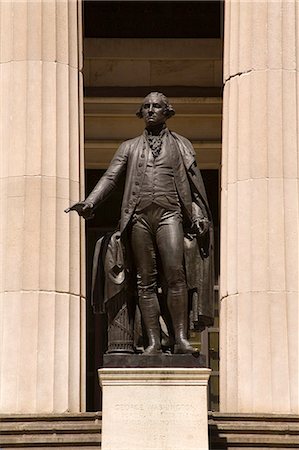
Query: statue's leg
(170, 241)
(145, 261)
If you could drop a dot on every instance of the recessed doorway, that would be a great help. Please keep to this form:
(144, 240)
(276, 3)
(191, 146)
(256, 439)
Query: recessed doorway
(150, 46)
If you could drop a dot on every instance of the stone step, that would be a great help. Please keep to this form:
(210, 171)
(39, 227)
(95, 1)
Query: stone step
(253, 431)
(67, 431)
(83, 431)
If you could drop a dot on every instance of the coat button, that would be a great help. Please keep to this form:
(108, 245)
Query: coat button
(142, 156)
(140, 165)
(137, 183)
(126, 210)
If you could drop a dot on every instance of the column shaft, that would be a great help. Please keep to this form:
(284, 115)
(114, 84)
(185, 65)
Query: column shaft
(260, 201)
(41, 303)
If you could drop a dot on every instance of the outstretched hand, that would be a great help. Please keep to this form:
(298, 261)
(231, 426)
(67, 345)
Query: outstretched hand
(83, 209)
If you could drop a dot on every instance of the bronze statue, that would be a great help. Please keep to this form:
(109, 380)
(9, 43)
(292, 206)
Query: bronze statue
(165, 231)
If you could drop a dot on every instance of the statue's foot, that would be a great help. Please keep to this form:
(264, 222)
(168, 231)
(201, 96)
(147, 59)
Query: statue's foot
(184, 347)
(153, 350)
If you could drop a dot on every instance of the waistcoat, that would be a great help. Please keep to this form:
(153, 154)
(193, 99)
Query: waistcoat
(158, 185)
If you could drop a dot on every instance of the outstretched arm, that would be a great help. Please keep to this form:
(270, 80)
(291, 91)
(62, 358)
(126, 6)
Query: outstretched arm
(105, 185)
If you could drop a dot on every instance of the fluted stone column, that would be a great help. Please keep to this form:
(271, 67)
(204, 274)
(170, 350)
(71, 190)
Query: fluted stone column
(260, 201)
(41, 305)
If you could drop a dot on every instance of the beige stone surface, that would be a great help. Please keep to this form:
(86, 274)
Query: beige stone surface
(109, 72)
(242, 355)
(41, 297)
(154, 409)
(260, 228)
(259, 213)
(47, 31)
(153, 48)
(259, 36)
(186, 73)
(153, 62)
(41, 332)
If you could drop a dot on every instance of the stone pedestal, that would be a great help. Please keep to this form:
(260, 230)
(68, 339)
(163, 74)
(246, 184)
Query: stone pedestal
(154, 408)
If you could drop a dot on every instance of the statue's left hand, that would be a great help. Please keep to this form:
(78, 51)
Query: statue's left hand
(200, 226)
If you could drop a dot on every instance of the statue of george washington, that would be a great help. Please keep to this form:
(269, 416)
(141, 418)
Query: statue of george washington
(165, 228)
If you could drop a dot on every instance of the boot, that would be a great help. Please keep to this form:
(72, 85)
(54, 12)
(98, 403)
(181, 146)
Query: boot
(150, 313)
(177, 301)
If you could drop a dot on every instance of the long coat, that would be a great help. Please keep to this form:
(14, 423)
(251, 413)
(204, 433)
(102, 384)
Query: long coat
(132, 157)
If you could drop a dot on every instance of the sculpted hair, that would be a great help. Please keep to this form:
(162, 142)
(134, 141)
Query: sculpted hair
(169, 109)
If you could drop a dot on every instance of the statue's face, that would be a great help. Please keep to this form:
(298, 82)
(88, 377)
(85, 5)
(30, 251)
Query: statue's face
(153, 111)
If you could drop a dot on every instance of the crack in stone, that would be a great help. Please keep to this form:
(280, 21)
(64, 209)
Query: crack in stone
(43, 61)
(41, 291)
(238, 74)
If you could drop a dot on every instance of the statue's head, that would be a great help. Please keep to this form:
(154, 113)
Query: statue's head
(155, 109)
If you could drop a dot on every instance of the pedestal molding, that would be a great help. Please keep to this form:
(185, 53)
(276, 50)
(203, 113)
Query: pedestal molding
(152, 377)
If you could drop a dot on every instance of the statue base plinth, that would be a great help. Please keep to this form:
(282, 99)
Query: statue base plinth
(160, 360)
(154, 408)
